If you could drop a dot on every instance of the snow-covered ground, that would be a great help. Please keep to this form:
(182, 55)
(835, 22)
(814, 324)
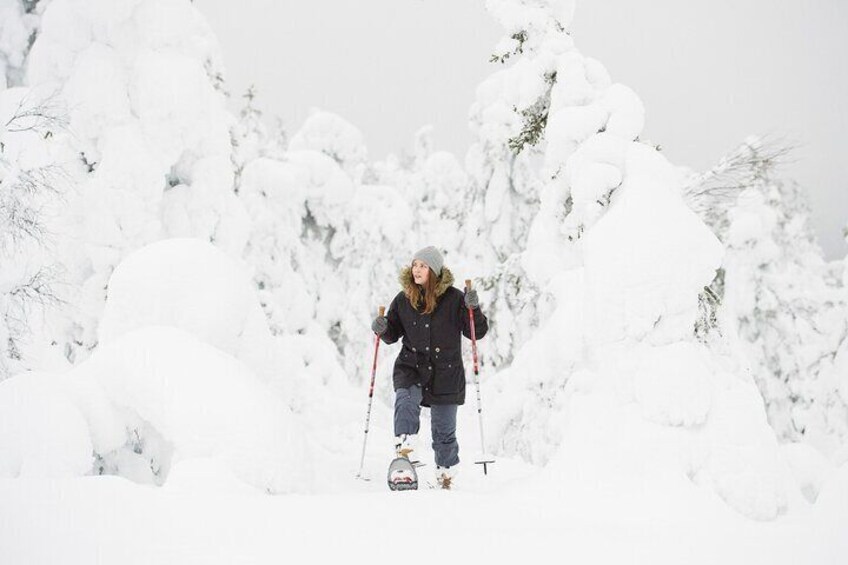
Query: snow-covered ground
(205, 513)
(506, 516)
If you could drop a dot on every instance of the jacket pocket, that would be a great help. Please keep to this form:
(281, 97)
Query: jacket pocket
(448, 376)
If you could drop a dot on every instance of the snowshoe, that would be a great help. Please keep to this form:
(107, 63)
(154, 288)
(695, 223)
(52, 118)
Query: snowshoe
(402, 475)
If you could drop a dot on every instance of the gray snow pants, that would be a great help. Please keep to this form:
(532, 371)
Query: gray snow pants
(442, 424)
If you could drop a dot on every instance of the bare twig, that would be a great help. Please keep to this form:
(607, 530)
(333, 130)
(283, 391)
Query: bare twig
(42, 114)
(714, 192)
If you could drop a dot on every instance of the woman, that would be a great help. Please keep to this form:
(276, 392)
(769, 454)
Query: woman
(431, 315)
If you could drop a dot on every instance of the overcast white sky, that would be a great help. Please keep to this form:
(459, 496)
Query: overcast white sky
(709, 73)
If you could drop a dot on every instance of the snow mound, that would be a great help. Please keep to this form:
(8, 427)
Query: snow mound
(669, 387)
(42, 432)
(192, 285)
(204, 475)
(809, 467)
(737, 453)
(176, 376)
(832, 503)
(633, 437)
(202, 402)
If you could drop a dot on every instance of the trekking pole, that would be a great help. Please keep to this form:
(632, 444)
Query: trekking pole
(382, 311)
(483, 461)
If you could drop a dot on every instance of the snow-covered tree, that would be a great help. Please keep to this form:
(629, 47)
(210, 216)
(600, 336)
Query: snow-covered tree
(508, 121)
(786, 303)
(614, 391)
(325, 246)
(712, 194)
(151, 136)
(529, 117)
(337, 138)
(433, 183)
(252, 138)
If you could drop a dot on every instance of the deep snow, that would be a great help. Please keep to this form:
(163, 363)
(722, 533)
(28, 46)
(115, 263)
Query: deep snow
(505, 517)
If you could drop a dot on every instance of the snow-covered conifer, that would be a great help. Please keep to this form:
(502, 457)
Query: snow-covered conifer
(335, 137)
(615, 363)
(508, 121)
(433, 183)
(252, 138)
(786, 304)
(151, 136)
(326, 247)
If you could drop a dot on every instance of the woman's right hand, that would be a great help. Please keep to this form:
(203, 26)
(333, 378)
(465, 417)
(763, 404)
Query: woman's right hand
(379, 325)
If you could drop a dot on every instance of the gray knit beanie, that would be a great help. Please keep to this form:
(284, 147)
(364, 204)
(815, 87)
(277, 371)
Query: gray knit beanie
(432, 257)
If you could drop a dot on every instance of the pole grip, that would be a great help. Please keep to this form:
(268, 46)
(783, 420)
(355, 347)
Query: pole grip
(381, 310)
(468, 284)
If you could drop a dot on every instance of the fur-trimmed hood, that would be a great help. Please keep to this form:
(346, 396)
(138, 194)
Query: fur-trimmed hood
(445, 280)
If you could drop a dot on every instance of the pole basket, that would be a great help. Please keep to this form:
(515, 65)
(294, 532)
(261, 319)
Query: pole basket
(485, 463)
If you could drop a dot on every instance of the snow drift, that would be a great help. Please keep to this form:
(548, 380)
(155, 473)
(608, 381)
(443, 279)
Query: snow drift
(175, 377)
(192, 285)
(202, 402)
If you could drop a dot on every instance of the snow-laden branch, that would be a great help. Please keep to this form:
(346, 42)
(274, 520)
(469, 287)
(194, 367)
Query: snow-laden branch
(42, 114)
(712, 193)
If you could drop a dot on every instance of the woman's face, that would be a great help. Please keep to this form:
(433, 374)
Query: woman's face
(420, 271)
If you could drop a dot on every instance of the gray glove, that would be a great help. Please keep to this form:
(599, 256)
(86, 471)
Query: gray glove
(379, 325)
(471, 299)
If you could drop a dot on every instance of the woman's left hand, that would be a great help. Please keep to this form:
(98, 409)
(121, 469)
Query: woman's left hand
(471, 299)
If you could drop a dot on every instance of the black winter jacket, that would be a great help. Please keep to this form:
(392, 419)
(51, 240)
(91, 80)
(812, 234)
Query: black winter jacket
(432, 350)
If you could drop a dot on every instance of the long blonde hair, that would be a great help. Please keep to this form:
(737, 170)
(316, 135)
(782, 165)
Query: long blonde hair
(414, 294)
